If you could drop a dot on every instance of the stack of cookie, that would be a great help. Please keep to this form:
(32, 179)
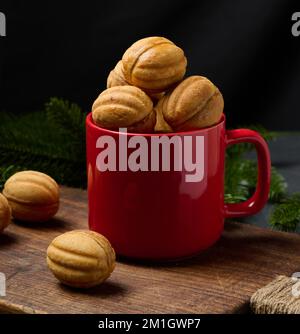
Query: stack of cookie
(147, 93)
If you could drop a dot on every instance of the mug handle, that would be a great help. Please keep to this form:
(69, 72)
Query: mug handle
(260, 197)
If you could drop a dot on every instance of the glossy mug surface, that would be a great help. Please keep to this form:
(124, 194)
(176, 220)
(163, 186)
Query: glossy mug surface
(166, 214)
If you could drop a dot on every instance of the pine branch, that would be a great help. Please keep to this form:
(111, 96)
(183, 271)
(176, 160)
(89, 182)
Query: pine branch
(241, 179)
(66, 117)
(6, 173)
(241, 173)
(278, 188)
(286, 215)
(236, 184)
(46, 142)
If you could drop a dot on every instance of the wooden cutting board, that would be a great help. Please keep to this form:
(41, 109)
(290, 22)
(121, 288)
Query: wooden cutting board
(220, 280)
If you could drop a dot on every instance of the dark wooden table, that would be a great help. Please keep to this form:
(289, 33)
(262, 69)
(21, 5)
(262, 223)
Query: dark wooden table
(220, 280)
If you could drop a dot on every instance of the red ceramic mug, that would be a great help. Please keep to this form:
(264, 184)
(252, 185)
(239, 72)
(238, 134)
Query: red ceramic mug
(161, 214)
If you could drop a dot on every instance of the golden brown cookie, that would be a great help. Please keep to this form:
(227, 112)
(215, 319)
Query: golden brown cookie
(124, 107)
(161, 126)
(116, 76)
(195, 103)
(81, 258)
(5, 213)
(154, 64)
(32, 196)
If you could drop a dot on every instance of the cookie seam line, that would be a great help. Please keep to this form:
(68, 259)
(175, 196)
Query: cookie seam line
(197, 111)
(142, 52)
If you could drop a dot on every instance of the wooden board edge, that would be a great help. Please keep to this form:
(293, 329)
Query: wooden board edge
(9, 308)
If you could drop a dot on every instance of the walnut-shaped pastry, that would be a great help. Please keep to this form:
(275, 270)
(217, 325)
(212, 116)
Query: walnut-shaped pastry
(116, 78)
(154, 64)
(124, 107)
(81, 258)
(32, 196)
(194, 104)
(5, 213)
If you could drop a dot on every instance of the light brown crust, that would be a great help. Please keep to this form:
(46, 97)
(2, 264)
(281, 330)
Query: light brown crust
(33, 196)
(146, 125)
(81, 258)
(5, 213)
(121, 106)
(195, 103)
(116, 76)
(154, 64)
(209, 115)
(161, 126)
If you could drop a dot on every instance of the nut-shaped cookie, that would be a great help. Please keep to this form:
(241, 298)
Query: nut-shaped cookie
(161, 126)
(5, 213)
(154, 64)
(194, 104)
(32, 196)
(116, 76)
(124, 107)
(81, 258)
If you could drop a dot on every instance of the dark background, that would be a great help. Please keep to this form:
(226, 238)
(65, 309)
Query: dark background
(67, 49)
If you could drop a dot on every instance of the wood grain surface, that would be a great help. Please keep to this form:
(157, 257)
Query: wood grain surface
(220, 280)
